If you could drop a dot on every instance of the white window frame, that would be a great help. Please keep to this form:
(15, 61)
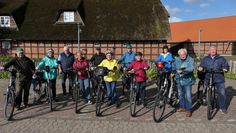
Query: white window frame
(69, 16)
(6, 21)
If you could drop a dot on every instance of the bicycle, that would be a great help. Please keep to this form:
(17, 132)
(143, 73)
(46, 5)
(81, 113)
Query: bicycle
(212, 104)
(76, 90)
(48, 87)
(38, 89)
(100, 72)
(167, 94)
(201, 91)
(10, 95)
(133, 91)
(125, 82)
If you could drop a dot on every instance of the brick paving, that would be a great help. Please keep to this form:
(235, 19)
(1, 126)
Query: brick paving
(38, 118)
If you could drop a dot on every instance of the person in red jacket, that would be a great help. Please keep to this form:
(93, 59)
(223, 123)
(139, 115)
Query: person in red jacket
(139, 66)
(82, 65)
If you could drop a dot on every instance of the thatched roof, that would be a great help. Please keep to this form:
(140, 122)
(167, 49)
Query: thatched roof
(104, 20)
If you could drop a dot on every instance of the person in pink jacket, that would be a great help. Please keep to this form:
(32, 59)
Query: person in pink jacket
(139, 66)
(82, 65)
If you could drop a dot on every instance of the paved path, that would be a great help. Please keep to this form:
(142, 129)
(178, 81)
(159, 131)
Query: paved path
(38, 118)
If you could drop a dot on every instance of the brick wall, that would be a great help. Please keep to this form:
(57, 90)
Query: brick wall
(151, 49)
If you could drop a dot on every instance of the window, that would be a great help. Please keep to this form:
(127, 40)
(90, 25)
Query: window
(4, 21)
(68, 16)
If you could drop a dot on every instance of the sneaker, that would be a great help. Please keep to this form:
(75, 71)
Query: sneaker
(223, 111)
(18, 107)
(109, 103)
(89, 102)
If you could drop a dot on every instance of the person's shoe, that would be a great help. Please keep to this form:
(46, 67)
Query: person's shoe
(223, 111)
(118, 103)
(189, 114)
(89, 102)
(18, 107)
(55, 100)
(109, 103)
(25, 105)
(180, 110)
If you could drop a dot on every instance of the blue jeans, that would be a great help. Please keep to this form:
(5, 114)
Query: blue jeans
(220, 89)
(85, 88)
(185, 97)
(111, 91)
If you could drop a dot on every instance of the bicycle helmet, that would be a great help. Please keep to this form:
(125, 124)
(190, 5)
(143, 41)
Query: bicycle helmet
(50, 51)
(109, 52)
(160, 65)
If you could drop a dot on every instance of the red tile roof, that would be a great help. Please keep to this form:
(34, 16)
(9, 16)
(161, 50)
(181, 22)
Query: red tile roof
(214, 29)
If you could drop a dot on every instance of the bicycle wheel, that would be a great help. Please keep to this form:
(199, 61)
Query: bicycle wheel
(132, 103)
(76, 97)
(9, 104)
(49, 92)
(210, 103)
(99, 101)
(159, 107)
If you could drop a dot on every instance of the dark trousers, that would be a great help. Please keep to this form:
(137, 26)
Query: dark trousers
(53, 87)
(140, 88)
(64, 76)
(23, 88)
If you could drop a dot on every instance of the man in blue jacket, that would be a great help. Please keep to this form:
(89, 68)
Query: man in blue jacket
(128, 57)
(217, 63)
(126, 60)
(183, 68)
(66, 60)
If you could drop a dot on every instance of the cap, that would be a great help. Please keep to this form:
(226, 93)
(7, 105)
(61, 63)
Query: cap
(20, 50)
(139, 54)
(128, 45)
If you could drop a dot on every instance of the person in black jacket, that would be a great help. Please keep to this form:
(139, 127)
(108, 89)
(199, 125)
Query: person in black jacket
(66, 60)
(98, 57)
(25, 67)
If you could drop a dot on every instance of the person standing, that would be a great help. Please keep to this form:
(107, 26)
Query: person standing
(183, 68)
(139, 66)
(51, 62)
(216, 63)
(82, 65)
(113, 75)
(25, 67)
(66, 60)
(98, 57)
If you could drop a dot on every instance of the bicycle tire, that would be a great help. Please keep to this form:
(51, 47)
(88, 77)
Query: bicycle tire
(76, 97)
(209, 103)
(159, 107)
(99, 101)
(49, 91)
(9, 100)
(133, 102)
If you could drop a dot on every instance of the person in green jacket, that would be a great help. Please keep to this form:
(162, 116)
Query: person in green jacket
(25, 67)
(51, 62)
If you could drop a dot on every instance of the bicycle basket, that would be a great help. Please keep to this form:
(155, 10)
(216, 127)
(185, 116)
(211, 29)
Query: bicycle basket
(101, 71)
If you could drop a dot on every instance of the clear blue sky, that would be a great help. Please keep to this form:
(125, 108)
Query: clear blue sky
(184, 10)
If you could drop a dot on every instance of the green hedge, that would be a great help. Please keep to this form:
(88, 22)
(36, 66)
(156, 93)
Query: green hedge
(5, 58)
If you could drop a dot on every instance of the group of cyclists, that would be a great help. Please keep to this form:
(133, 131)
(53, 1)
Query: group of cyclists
(182, 67)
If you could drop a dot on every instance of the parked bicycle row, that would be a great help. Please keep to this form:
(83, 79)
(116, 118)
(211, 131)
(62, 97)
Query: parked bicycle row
(94, 81)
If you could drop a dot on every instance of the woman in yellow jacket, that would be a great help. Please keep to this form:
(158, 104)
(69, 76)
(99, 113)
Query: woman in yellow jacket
(113, 75)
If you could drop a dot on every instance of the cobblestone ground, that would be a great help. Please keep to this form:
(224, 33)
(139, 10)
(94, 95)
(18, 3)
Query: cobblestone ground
(38, 118)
